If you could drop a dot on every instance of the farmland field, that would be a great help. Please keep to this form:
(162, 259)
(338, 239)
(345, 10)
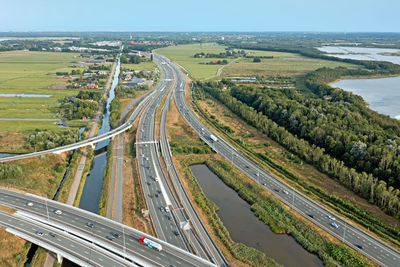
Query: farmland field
(26, 72)
(282, 64)
(183, 54)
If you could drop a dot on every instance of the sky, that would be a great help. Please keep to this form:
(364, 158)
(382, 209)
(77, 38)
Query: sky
(201, 15)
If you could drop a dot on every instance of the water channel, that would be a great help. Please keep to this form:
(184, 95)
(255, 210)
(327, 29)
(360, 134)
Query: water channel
(94, 181)
(246, 228)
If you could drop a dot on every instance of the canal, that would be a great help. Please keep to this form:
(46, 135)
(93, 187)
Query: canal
(246, 228)
(94, 181)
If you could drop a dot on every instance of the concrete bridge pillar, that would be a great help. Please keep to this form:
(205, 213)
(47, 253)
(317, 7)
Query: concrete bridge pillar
(59, 258)
(93, 146)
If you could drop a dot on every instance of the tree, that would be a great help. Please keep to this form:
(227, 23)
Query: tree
(256, 60)
(135, 59)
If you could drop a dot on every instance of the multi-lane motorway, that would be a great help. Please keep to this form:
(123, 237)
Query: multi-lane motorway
(76, 224)
(201, 235)
(348, 233)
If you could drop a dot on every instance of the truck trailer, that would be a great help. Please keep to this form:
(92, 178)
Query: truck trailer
(151, 244)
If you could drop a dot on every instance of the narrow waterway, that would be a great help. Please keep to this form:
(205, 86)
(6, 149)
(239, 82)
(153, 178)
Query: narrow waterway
(246, 228)
(94, 181)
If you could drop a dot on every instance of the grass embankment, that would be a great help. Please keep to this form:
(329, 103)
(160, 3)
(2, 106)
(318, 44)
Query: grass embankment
(13, 250)
(303, 176)
(39, 258)
(133, 198)
(39, 175)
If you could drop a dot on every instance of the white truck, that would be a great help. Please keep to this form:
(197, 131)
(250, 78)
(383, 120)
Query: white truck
(151, 244)
(213, 138)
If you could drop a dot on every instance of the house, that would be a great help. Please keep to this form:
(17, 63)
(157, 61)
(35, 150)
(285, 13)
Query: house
(57, 49)
(92, 85)
(101, 72)
(87, 75)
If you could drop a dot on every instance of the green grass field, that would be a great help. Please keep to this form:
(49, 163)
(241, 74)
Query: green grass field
(26, 72)
(183, 54)
(283, 64)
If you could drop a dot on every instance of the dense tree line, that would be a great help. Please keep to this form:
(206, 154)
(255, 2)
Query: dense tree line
(330, 135)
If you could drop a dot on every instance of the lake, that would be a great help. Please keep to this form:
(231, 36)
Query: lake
(383, 94)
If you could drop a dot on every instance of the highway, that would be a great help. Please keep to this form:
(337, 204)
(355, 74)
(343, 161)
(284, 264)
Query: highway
(36, 210)
(373, 248)
(200, 233)
(153, 180)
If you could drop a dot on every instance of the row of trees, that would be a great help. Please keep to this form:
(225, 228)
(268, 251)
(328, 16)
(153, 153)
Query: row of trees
(362, 183)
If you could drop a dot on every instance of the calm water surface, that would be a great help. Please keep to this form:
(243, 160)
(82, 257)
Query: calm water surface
(383, 95)
(246, 228)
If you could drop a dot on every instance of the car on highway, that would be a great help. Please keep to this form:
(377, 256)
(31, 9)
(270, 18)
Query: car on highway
(39, 233)
(161, 209)
(359, 246)
(52, 234)
(258, 174)
(311, 215)
(30, 204)
(331, 217)
(334, 225)
(89, 224)
(116, 235)
(58, 212)
(264, 184)
(168, 217)
(156, 195)
(285, 192)
(176, 233)
(111, 238)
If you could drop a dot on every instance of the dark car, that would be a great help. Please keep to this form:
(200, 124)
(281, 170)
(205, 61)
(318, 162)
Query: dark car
(116, 235)
(175, 232)
(52, 234)
(168, 217)
(311, 215)
(89, 224)
(110, 237)
(359, 246)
